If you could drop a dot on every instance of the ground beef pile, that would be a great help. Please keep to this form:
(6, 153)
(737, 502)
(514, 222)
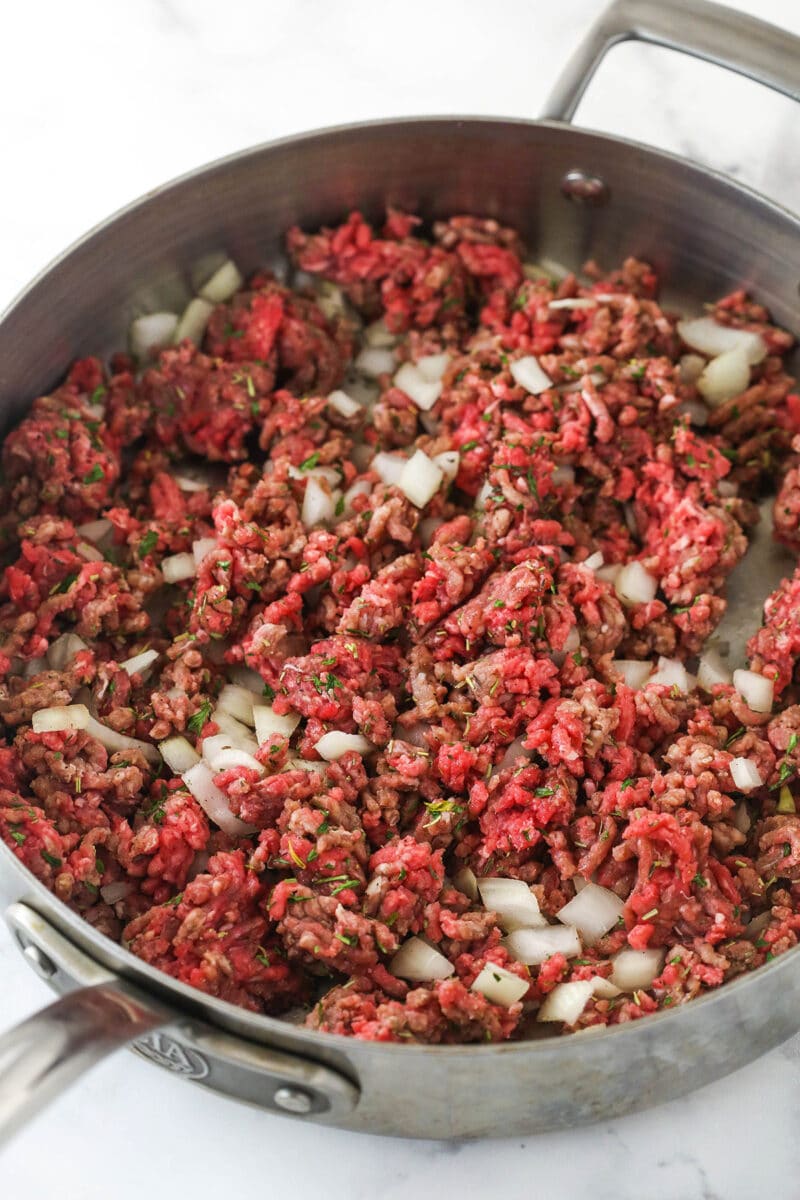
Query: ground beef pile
(467, 641)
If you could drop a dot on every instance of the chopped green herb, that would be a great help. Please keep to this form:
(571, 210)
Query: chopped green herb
(51, 859)
(700, 880)
(309, 463)
(95, 475)
(148, 543)
(174, 902)
(199, 719)
(18, 837)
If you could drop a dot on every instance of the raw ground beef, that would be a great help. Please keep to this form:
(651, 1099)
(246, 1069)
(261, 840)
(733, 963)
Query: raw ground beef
(465, 641)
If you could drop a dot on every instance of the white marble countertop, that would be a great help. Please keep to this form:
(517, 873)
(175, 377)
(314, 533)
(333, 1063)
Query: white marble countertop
(102, 101)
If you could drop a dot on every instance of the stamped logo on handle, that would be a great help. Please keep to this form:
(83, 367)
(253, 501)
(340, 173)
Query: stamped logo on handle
(166, 1052)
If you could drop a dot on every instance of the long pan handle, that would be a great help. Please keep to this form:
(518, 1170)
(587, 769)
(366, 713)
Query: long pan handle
(713, 32)
(43, 1055)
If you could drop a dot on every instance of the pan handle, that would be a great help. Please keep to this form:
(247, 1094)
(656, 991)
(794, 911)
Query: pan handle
(42, 1056)
(713, 32)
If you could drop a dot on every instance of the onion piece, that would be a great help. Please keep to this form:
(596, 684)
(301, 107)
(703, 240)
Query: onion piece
(377, 334)
(514, 751)
(304, 764)
(604, 988)
(226, 280)
(202, 548)
(466, 882)
(421, 479)
(691, 367)
(362, 487)
(564, 476)
(247, 678)
(193, 321)
(237, 701)
(745, 774)
(94, 531)
(60, 716)
(268, 722)
(724, 377)
(499, 985)
(433, 366)
(217, 742)
(712, 339)
(227, 723)
(424, 392)
(634, 969)
(574, 302)
(233, 756)
(62, 651)
(755, 690)
(529, 375)
(319, 504)
(389, 467)
(178, 754)
(112, 893)
(90, 553)
(190, 485)
(636, 674)
(483, 495)
(151, 333)
(635, 585)
(609, 573)
(344, 405)
(567, 1001)
(672, 673)
(375, 361)
(513, 901)
(333, 745)
(592, 912)
(712, 671)
(139, 662)
(741, 817)
(177, 567)
(535, 946)
(419, 962)
(199, 779)
(448, 463)
(114, 741)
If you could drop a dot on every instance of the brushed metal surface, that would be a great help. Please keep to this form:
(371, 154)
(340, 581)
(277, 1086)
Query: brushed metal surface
(705, 235)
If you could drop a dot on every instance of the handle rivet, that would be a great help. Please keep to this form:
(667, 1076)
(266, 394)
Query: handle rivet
(294, 1100)
(584, 188)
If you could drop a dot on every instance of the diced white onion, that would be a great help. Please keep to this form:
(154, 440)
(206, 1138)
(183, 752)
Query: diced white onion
(139, 662)
(193, 321)
(247, 678)
(304, 764)
(574, 302)
(727, 489)
(330, 299)
(151, 333)
(344, 405)
(741, 818)
(513, 752)
(745, 774)
(60, 716)
(500, 986)
(565, 477)
(199, 779)
(529, 375)
(592, 912)
(672, 673)
(62, 651)
(424, 392)
(90, 553)
(237, 701)
(595, 561)
(223, 283)
(534, 946)
(203, 547)
(94, 531)
(695, 410)
(177, 567)
(319, 504)
(608, 573)
(389, 467)
(635, 673)
(190, 485)
(513, 901)
(448, 463)
(377, 334)
(712, 671)
(268, 722)
(483, 495)
(114, 892)
(427, 529)
(433, 366)
(418, 962)
(362, 487)
(634, 585)
(635, 969)
(114, 741)
(466, 882)
(33, 666)
(375, 361)
(228, 724)
(233, 756)
(724, 377)
(755, 690)
(604, 988)
(421, 479)
(691, 367)
(178, 754)
(567, 1001)
(712, 339)
(214, 745)
(333, 745)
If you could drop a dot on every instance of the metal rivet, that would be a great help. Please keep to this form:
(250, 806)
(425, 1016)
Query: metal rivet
(41, 964)
(294, 1100)
(585, 188)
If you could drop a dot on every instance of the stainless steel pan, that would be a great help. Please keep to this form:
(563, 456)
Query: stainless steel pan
(573, 194)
